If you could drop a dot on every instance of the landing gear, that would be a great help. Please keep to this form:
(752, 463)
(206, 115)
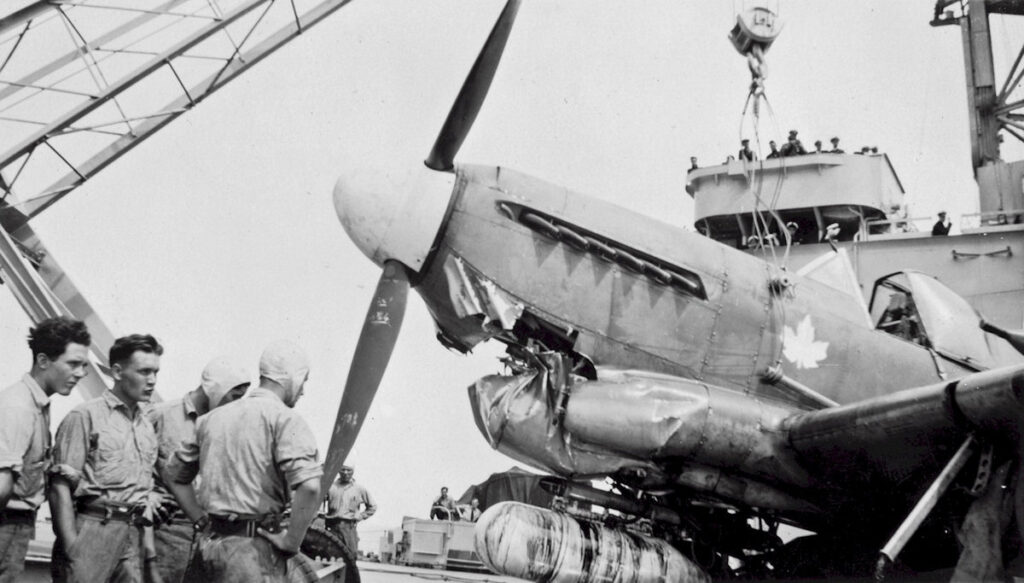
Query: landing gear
(324, 544)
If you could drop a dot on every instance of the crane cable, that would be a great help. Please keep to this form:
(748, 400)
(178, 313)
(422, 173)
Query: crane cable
(755, 178)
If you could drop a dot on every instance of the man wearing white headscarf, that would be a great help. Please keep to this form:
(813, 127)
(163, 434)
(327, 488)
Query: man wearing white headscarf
(252, 458)
(223, 381)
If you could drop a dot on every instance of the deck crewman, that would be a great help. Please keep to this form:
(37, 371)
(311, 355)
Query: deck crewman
(101, 482)
(348, 504)
(252, 458)
(223, 381)
(60, 348)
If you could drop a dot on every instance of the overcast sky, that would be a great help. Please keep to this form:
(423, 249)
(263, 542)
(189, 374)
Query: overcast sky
(218, 234)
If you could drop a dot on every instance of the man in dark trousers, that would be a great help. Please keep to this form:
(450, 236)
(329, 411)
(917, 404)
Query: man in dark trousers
(102, 475)
(348, 504)
(222, 382)
(254, 458)
(60, 348)
(443, 507)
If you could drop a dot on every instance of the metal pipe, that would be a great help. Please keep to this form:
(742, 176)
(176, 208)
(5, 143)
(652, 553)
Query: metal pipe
(923, 507)
(775, 376)
(611, 500)
(25, 14)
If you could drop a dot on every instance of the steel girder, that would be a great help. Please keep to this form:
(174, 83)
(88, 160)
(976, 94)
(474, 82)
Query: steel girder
(211, 47)
(73, 68)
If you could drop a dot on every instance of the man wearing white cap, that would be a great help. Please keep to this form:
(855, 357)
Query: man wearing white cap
(223, 381)
(252, 458)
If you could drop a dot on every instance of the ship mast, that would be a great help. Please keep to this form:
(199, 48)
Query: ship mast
(992, 109)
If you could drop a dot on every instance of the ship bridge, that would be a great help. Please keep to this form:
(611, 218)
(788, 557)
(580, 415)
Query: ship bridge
(811, 192)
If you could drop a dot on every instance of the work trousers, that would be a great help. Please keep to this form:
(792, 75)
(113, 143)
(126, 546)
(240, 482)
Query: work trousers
(173, 549)
(346, 530)
(14, 537)
(101, 553)
(237, 559)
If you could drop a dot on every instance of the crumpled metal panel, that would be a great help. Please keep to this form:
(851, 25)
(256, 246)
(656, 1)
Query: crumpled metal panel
(514, 414)
(640, 416)
(473, 295)
(633, 419)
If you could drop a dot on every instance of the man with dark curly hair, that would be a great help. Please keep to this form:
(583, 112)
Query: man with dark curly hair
(60, 348)
(101, 481)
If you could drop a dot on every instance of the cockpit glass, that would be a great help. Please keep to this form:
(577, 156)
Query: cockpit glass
(921, 309)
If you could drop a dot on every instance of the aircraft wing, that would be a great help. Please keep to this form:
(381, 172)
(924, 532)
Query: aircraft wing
(906, 437)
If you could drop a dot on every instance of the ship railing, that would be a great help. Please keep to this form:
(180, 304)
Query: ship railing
(898, 227)
(990, 220)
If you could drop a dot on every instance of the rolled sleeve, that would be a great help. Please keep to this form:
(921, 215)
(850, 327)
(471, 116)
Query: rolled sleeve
(183, 466)
(295, 451)
(371, 505)
(15, 437)
(71, 447)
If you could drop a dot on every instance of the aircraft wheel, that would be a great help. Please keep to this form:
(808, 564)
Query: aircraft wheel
(320, 542)
(301, 569)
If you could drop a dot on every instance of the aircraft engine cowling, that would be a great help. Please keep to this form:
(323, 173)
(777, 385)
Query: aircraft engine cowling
(537, 544)
(631, 419)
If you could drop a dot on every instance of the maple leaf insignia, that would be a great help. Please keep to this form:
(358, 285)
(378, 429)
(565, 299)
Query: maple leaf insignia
(800, 347)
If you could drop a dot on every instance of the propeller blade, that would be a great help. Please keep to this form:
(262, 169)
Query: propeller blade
(1014, 337)
(376, 341)
(474, 90)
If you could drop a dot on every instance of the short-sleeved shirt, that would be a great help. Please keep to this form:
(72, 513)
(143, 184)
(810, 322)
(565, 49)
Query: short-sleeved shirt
(107, 451)
(249, 455)
(175, 423)
(25, 441)
(343, 501)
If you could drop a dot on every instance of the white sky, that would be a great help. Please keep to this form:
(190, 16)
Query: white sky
(218, 235)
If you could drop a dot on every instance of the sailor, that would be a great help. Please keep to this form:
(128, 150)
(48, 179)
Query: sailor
(941, 226)
(817, 147)
(792, 228)
(60, 348)
(793, 147)
(474, 510)
(831, 235)
(443, 507)
(102, 475)
(253, 458)
(835, 146)
(693, 163)
(773, 151)
(348, 503)
(223, 381)
(746, 154)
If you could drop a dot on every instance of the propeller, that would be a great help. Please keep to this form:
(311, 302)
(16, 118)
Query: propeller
(376, 342)
(471, 96)
(384, 318)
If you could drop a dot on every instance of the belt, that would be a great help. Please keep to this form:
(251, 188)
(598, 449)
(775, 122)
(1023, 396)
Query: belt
(132, 515)
(237, 526)
(17, 516)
